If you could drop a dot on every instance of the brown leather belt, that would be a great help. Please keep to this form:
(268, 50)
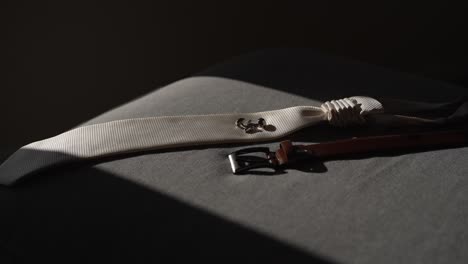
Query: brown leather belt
(244, 160)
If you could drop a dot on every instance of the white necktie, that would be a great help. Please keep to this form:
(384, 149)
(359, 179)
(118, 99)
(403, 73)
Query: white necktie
(143, 134)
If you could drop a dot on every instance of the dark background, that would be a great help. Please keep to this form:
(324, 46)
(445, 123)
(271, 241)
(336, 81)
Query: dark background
(63, 62)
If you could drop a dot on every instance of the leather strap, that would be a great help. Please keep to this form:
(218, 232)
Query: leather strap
(288, 153)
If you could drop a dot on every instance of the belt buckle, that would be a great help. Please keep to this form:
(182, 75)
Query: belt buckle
(241, 160)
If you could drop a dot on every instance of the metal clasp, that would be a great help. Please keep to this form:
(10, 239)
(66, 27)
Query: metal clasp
(251, 127)
(242, 162)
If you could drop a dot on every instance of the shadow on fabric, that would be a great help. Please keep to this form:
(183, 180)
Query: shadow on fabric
(83, 215)
(319, 76)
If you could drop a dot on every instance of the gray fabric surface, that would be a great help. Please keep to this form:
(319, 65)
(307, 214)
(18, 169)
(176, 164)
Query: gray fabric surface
(409, 208)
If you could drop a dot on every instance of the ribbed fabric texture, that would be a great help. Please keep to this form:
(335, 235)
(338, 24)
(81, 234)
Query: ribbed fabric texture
(143, 134)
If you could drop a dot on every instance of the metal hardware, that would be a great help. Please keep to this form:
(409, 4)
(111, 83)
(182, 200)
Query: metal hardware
(251, 127)
(242, 161)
